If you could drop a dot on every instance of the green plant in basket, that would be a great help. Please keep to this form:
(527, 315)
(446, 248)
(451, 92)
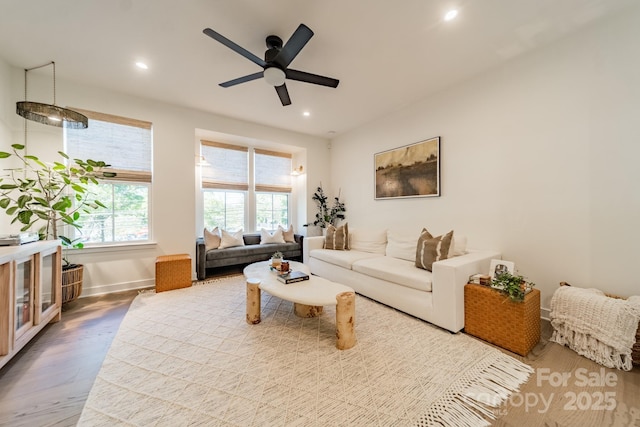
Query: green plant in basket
(515, 286)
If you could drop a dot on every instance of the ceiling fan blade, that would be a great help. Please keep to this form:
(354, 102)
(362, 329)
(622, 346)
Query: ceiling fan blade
(242, 79)
(303, 76)
(283, 93)
(294, 45)
(231, 45)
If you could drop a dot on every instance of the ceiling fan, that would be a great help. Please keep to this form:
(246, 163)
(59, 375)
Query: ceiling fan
(276, 62)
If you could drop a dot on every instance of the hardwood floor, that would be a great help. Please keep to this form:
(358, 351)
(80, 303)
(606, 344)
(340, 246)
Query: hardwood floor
(47, 383)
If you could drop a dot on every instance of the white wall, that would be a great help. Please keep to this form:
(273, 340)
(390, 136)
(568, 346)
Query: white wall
(174, 215)
(539, 160)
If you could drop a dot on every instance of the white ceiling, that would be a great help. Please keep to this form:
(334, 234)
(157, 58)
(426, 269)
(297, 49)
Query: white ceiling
(386, 54)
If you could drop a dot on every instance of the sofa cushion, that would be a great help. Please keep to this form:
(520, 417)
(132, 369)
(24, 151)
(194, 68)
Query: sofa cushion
(337, 238)
(363, 240)
(249, 250)
(266, 237)
(229, 240)
(395, 270)
(288, 235)
(431, 249)
(212, 238)
(459, 246)
(342, 259)
(402, 245)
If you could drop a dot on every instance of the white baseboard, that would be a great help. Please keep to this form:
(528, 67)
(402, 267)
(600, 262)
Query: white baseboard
(117, 287)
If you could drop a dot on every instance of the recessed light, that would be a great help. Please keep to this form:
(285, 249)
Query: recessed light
(306, 113)
(451, 15)
(142, 65)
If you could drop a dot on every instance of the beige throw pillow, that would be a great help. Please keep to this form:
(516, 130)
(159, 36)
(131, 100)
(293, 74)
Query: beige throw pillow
(230, 240)
(337, 238)
(431, 249)
(266, 237)
(288, 234)
(211, 239)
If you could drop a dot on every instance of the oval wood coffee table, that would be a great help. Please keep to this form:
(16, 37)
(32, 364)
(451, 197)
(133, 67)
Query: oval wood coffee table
(308, 297)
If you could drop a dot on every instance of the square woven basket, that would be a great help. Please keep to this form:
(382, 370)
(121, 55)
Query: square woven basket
(490, 315)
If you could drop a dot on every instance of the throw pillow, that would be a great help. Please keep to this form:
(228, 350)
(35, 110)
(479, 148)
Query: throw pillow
(402, 245)
(337, 238)
(229, 240)
(211, 239)
(288, 234)
(459, 246)
(266, 237)
(431, 249)
(371, 241)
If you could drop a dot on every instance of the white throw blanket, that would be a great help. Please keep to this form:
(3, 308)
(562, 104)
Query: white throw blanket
(598, 327)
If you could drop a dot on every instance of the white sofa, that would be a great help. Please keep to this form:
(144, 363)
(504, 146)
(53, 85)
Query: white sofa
(381, 266)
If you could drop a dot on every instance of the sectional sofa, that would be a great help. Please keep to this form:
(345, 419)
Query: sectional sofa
(251, 251)
(381, 265)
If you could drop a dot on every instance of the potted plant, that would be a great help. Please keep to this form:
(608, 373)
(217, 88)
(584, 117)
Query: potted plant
(52, 195)
(515, 286)
(326, 215)
(276, 260)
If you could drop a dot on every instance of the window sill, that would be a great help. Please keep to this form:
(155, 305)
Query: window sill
(114, 247)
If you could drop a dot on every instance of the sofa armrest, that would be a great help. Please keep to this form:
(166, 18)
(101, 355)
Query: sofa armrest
(201, 259)
(449, 278)
(311, 243)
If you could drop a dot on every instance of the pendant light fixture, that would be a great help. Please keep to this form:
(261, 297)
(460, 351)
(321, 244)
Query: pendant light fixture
(49, 114)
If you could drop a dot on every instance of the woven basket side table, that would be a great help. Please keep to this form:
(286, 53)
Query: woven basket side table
(173, 272)
(491, 316)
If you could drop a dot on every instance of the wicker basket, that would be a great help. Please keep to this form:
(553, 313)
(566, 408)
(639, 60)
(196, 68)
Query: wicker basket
(72, 283)
(490, 315)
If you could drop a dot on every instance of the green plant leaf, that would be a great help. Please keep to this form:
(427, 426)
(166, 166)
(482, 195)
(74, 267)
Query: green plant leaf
(5, 202)
(17, 146)
(8, 187)
(12, 210)
(4, 155)
(23, 200)
(63, 154)
(25, 217)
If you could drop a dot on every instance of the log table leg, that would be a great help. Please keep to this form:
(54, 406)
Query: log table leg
(253, 301)
(307, 311)
(345, 320)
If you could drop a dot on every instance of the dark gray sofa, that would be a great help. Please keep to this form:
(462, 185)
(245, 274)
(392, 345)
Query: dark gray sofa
(253, 251)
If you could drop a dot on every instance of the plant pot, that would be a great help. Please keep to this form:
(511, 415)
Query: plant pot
(71, 282)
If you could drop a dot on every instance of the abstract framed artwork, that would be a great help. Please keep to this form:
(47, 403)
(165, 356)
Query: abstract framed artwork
(409, 171)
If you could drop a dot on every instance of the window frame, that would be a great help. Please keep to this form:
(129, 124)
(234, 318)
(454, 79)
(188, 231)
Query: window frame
(252, 189)
(124, 177)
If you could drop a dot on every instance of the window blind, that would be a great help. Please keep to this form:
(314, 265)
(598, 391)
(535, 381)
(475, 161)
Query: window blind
(272, 171)
(123, 143)
(227, 168)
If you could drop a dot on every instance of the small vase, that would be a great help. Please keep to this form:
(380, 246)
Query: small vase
(275, 262)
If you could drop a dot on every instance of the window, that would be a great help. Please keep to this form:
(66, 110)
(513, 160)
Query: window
(272, 209)
(273, 188)
(233, 198)
(225, 183)
(125, 144)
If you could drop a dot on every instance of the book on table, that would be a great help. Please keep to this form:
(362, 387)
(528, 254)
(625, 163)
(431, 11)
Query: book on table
(292, 277)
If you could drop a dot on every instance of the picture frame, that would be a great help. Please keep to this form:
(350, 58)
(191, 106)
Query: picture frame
(498, 266)
(409, 171)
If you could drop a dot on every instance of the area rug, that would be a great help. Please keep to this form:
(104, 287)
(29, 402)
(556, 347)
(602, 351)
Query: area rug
(188, 358)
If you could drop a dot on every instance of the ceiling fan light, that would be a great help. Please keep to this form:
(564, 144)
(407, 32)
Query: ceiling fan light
(274, 76)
